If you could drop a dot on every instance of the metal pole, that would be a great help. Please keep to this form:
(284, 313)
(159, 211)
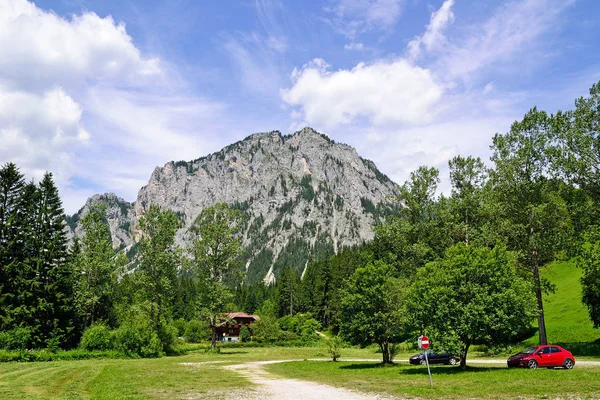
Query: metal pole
(428, 370)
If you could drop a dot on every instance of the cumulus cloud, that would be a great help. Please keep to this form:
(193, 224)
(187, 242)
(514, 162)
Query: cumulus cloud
(79, 99)
(383, 92)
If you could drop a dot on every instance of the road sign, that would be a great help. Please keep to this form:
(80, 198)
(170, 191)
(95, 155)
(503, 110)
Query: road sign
(424, 344)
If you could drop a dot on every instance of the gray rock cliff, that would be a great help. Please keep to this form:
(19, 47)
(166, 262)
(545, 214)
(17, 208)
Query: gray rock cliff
(303, 196)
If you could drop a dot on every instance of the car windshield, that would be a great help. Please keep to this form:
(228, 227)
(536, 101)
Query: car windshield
(529, 350)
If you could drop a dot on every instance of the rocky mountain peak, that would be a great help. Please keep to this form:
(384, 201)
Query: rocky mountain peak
(303, 195)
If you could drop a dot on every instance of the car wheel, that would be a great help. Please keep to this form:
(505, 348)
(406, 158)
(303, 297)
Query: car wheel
(568, 364)
(532, 364)
(453, 361)
(422, 362)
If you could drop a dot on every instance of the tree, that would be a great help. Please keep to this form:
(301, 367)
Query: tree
(372, 308)
(159, 260)
(97, 269)
(334, 347)
(533, 218)
(473, 294)
(575, 151)
(468, 177)
(12, 184)
(288, 291)
(54, 274)
(589, 261)
(215, 252)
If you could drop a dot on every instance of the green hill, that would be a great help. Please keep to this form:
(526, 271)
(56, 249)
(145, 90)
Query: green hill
(567, 319)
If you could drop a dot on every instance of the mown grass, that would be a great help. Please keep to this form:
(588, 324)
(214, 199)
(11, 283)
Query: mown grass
(567, 319)
(163, 378)
(478, 381)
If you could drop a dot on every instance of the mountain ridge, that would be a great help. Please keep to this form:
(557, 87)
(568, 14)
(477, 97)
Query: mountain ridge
(303, 195)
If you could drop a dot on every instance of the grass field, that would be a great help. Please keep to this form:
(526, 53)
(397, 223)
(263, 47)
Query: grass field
(567, 319)
(404, 380)
(163, 378)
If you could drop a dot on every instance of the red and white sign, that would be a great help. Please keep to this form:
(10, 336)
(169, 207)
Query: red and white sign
(423, 342)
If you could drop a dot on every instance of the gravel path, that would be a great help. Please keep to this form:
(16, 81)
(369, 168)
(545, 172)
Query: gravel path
(271, 387)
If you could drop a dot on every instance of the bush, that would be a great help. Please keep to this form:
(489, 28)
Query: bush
(133, 339)
(197, 331)
(334, 347)
(245, 334)
(45, 355)
(15, 339)
(266, 329)
(97, 337)
(138, 336)
(181, 325)
(168, 337)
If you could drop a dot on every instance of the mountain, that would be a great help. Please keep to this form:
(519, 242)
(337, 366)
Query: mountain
(303, 195)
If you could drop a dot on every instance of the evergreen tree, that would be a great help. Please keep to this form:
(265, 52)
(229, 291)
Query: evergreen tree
(54, 287)
(288, 291)
(11, 248)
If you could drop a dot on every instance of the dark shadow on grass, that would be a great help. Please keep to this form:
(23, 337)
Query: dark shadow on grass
(449, 370)
(369, 366)
(224, 352)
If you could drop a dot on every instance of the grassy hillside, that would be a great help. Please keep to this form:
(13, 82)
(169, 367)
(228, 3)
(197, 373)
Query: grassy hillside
(567, 319)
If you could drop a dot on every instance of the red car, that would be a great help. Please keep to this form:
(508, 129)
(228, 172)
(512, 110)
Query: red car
(548, 356)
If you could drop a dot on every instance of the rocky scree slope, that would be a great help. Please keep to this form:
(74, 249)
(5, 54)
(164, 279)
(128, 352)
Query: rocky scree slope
(303, 196)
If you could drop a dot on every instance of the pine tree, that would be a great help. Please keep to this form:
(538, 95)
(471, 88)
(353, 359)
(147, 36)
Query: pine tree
(55, 314)
(11, 188)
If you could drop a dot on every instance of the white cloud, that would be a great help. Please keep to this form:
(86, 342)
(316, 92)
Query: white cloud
(413, 110)
(513, 29)
(79, 99)
(354, 46)
(255, 59)
(383, 92)
(82, 47)
(277, 43)
(355, 17)
(433, 37)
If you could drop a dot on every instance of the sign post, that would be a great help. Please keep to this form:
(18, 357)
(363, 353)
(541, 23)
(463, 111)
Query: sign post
(424, 344)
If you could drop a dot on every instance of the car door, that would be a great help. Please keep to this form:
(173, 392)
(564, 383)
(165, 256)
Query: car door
(544, 357)
(556, 357)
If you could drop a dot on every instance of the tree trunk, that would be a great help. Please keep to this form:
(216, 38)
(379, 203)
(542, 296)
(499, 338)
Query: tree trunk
(540, 303)
(463, 357)
(213, 345)
(385, 352)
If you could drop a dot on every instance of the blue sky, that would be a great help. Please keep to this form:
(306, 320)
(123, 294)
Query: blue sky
(102, 92)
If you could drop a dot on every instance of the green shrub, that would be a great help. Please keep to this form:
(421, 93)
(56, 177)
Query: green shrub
(45, 355)
(168, 337)
(266, 329)
(245, 334)
(197, 331)
(137, 335)
(97, 337)
(334, 347)
(15, 339)
(181, 325)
